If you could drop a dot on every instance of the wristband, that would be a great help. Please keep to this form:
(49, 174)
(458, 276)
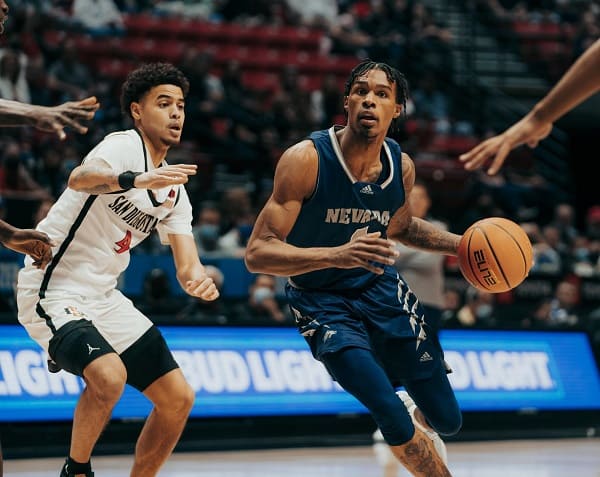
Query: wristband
(126, 179)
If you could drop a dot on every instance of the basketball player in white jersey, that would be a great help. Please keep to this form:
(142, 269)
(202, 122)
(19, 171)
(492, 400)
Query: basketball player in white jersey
(122, 192)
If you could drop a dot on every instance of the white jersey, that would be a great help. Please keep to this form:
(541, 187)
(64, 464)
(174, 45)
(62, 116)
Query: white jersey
(94, 233)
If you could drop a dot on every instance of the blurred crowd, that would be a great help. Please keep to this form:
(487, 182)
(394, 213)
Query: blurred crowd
(235, 133)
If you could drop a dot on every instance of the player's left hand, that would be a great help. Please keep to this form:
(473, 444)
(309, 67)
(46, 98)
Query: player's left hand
(203, 288)
(33, 243)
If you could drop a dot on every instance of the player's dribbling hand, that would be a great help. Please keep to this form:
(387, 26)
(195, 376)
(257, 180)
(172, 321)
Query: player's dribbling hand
(165, 176)
(203, 288)
(362, 251)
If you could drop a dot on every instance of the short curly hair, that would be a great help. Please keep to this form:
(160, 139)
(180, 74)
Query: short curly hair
(143, 79)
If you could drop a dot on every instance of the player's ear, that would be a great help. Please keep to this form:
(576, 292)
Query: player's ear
(346, 103)
(398, 111)
(135, 110)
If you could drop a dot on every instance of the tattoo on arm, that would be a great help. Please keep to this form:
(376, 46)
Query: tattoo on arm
(429, 238)
(97, 178)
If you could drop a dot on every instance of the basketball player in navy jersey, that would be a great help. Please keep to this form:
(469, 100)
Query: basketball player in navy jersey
(339, 197)
(123, 191)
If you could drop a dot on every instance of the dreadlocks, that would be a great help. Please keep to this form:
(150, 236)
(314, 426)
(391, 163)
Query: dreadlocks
(393, 76)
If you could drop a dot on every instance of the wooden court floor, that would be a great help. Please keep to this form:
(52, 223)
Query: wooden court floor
(521, 458)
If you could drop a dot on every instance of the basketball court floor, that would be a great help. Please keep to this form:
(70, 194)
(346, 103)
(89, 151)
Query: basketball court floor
(577, 457)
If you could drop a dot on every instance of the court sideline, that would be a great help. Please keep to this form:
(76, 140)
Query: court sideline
(507, 458)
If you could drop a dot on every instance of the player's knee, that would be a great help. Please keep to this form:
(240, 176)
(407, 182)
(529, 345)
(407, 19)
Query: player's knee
(395, 423)
(187, 399)
(396, 434)
(106, 381)
(181, 400)
(448, 424)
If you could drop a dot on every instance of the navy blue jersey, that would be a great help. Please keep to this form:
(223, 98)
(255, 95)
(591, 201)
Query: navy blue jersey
(341, 207)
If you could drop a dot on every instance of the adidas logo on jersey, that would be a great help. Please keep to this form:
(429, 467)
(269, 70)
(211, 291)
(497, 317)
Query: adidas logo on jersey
(425, 357)
(367, 190)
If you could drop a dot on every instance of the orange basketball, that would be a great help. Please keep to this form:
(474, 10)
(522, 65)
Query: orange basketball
(495, 255)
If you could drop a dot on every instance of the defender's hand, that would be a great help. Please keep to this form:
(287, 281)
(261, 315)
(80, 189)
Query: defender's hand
(165, 176)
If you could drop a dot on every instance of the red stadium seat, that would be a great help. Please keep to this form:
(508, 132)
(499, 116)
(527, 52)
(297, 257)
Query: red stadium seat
(114, 68)
(141, 24)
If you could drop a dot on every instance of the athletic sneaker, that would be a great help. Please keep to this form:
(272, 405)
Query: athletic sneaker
(438, 443)
(65, 472)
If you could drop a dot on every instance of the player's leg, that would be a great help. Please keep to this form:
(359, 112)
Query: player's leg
(79, 348)
(437, 407)
(152, 370)
(357, 371)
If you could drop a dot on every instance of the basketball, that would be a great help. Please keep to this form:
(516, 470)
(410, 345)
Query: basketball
(495, 255)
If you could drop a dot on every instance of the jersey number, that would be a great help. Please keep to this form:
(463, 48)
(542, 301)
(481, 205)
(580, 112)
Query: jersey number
(124, 244)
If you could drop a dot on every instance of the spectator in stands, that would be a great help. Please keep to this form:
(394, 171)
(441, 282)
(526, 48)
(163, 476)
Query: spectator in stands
(559, 311)
(199, 311)
(50, 171)
(347, 38)
(238, 216)
(327, 103)
(158, 301)
(314, 13)
(431, 103)
(583, 258)
(291, 105)
(69, 78)
(453, 302)
(206, 95)
(203, 9)
(546, 260)
(564, 221)
(13, 77)
(478, 311)
(479, 204)
(98, 17)
(552, 236)
(207, 229)
(38, 82)
(592, 223)
(263, 305)
(17, 183)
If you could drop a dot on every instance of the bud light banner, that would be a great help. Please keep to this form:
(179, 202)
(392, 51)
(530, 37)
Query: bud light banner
(270, 371)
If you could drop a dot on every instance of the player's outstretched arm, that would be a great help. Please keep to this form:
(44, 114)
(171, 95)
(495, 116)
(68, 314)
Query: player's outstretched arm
(28, 241)
(580, 81)
(96, 176)
(52, 119)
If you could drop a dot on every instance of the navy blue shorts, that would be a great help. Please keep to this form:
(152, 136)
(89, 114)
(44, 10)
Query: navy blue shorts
(384, 317)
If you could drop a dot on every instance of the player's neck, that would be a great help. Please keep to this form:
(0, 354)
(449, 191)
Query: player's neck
(157, 150)
(358, 150)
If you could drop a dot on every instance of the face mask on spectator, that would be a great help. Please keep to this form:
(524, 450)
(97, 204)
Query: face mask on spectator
(208, 235)
(261, 294)
(483, 311)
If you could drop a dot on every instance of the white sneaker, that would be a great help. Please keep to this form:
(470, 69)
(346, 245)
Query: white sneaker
(438, 443)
